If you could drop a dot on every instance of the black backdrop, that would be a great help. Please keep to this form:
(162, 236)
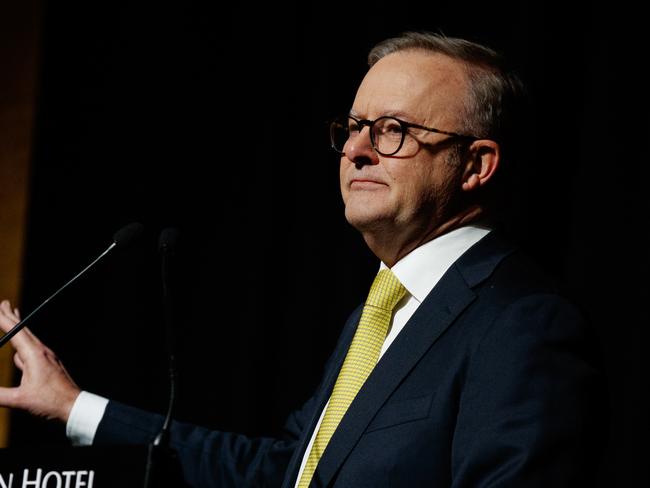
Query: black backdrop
(212, 118)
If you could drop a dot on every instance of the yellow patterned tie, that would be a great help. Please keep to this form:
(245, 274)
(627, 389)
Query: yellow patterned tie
(386, 291)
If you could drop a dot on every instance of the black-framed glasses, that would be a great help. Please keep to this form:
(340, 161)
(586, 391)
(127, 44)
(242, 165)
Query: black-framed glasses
(386, 133)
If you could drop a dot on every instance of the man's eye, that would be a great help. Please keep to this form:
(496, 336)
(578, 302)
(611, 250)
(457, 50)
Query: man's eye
(353, 127)
(390, 129)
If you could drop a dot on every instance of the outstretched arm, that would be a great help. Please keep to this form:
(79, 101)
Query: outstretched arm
(46, 389)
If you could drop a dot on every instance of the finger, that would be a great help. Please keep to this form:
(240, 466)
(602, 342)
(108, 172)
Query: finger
(6, 309)
(6, 321)
(13, 314)
(18, 361)
(5, 306)
(24, 338)
(7, 317)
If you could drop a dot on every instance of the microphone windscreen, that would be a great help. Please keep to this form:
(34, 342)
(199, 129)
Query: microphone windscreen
(127, 234)
(168, 240)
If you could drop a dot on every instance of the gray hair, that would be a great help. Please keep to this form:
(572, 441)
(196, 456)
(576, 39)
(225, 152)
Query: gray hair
(494, 91)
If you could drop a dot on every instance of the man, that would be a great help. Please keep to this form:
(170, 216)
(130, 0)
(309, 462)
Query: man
(481, 376)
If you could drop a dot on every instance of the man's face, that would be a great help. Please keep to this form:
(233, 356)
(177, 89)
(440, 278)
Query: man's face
(405, 196)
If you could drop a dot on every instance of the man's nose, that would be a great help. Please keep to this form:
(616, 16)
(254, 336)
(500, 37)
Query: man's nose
(359, 150)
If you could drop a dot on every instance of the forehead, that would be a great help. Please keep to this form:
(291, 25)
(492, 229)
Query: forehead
(425, 87)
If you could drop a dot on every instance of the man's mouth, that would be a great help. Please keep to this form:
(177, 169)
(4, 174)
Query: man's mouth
(365, 183)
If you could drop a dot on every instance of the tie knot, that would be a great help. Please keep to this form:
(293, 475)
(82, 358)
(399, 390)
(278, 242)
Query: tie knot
(385, 291)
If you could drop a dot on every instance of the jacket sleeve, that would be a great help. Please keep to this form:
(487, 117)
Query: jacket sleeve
(209, 458)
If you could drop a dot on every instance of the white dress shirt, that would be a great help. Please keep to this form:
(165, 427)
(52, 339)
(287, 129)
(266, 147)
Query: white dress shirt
(419, 271)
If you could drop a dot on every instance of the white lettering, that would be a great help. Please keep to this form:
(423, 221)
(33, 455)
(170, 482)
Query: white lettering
(80, 483)
(51, 479)
(67, 475)
(36, 482)
(4, 484)
(52, 474)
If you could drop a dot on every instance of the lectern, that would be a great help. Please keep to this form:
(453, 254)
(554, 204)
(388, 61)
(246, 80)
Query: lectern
(88, 467)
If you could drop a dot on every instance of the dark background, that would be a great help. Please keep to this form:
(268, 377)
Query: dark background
(211, 118)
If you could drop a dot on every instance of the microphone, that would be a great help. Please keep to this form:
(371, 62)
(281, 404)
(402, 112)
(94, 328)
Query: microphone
(121, 239)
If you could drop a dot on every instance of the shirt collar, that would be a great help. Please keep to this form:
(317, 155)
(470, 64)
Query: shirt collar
(421, 269)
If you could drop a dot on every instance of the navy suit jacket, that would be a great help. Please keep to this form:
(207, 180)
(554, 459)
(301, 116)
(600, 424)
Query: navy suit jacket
(492, 383)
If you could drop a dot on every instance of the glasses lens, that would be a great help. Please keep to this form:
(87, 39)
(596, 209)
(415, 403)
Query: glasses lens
(388, 135)
(339, 134)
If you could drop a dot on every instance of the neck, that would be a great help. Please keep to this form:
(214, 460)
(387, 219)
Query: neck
(390, 247)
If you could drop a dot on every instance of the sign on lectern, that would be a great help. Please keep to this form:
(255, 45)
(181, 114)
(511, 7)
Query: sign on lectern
(86, 467)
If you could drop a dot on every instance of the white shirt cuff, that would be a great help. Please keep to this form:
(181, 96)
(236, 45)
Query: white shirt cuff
(84, 418)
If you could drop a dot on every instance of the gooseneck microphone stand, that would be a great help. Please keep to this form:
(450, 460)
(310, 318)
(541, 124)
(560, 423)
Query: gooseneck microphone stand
(160, 446)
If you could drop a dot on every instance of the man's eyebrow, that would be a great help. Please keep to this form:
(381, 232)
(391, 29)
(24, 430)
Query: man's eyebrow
(389, 113)
(398, 113)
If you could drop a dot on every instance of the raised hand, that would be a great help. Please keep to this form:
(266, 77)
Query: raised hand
(46, 389)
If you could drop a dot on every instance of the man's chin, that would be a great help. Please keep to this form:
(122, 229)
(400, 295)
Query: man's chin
(366, 219)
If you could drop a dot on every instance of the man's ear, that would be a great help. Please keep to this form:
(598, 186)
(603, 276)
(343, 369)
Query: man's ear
(483, 161)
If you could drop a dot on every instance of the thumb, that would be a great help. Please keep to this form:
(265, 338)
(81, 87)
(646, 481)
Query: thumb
(8, 397)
